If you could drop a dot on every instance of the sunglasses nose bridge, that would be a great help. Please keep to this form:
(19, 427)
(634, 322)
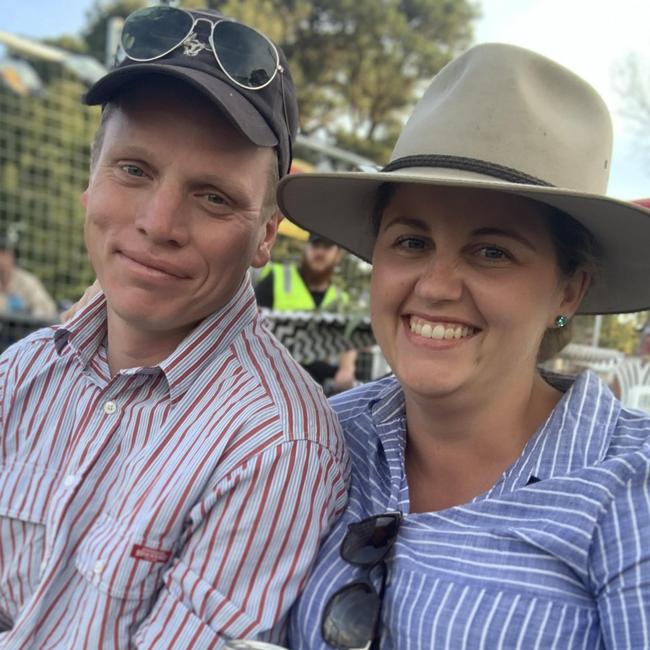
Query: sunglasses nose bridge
(209, 29)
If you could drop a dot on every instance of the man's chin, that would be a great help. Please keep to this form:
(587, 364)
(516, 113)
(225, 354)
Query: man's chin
(153, 318)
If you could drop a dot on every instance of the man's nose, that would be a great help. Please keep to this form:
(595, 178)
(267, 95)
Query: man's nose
(162, 216)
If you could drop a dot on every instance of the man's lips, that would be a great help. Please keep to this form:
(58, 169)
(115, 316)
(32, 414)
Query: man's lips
(153, 264)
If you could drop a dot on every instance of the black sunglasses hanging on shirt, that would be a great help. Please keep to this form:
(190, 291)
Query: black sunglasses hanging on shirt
(351, 618)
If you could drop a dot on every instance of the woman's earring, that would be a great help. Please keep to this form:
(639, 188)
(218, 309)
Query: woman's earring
(561, 321)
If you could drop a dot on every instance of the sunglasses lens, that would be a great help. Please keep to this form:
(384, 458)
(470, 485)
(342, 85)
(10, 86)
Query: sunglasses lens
(154, 31)
(245, 55)
(368, 541)
(350, 617)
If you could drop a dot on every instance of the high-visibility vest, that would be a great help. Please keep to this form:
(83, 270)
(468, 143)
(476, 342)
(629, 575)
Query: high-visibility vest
(290, 293)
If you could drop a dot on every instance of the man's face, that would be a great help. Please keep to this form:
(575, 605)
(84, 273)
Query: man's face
(321, 256)
(174, 209)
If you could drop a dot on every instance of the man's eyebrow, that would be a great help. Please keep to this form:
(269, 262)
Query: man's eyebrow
(129, 150)
(505, 232)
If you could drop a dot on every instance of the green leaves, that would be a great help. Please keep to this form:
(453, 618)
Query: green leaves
(359, 64)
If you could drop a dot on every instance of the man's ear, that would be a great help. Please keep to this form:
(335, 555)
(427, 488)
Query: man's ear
(269, 233)
(83, 199)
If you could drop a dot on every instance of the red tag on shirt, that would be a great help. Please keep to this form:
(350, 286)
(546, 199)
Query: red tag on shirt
(149, 554)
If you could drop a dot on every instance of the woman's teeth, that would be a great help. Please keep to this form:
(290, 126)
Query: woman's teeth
(439, 331)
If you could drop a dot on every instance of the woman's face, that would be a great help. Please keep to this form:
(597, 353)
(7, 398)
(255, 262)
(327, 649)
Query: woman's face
(464, 285)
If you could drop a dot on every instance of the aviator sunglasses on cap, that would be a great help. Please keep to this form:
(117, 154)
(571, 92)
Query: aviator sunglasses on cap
(352, 615)
(247, 57)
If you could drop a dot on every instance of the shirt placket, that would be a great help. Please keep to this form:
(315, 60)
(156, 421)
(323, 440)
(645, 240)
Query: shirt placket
(99, 430)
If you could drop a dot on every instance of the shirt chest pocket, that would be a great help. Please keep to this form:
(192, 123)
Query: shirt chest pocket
(25, 492)
(119, 563)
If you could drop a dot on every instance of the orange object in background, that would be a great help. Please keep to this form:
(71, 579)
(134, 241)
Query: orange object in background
(287, 228)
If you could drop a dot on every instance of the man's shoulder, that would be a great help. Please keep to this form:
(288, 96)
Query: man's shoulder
(34, 343)
(24, 275)
(298, 401)
(30, 356)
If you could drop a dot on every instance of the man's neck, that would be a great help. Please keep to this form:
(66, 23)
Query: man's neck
(129, 347)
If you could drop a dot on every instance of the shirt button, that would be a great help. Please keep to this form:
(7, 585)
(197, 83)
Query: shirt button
(110, 407)
(99, 567)
(43, 566)
(70, 480)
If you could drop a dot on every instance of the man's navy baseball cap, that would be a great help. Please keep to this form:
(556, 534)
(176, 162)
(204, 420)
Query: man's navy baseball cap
(267, 116)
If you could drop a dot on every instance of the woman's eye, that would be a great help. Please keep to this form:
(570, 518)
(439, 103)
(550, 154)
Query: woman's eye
(493, 253)
(411, 243)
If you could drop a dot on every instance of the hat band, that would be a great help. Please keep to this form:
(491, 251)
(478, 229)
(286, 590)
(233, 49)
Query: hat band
(465, 164)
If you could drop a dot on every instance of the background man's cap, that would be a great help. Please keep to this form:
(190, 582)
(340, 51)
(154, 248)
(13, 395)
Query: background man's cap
(268, 117)
(318, 239)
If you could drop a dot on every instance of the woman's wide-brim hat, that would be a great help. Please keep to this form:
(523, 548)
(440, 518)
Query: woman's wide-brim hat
(501, 118)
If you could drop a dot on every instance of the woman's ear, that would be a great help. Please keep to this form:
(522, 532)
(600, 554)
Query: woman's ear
(574, 290)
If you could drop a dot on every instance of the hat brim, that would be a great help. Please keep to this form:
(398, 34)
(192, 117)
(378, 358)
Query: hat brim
(338, 206)
(243, 115)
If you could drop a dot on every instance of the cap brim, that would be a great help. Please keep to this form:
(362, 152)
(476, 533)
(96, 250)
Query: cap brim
(338, 206)
(235, 106)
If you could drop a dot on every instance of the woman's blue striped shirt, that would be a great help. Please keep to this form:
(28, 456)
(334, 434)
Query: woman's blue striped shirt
(560, 562)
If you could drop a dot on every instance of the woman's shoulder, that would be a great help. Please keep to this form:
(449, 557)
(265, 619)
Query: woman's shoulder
(595, 416)
(631, 433)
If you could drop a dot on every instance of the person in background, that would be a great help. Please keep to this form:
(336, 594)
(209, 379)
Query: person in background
(167, 470)
(492, 505)
(308, 286)
(21, 292)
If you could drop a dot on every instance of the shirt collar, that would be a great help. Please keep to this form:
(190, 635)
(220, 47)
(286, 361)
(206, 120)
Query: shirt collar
(86, 331)
(388, 412)
(576, 434)
(212, 337)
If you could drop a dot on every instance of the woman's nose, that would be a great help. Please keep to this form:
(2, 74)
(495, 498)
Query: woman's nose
(440, 279)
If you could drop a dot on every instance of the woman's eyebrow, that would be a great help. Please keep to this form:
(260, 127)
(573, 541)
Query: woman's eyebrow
(505, 232)
(412, 222)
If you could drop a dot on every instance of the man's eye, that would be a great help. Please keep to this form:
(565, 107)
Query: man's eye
(133, 170)
(215, 199)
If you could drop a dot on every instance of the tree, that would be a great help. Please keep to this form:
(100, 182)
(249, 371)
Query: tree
(359, 65)
(95, 32)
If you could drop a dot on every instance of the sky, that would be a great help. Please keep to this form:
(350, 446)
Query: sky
(590, 37)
